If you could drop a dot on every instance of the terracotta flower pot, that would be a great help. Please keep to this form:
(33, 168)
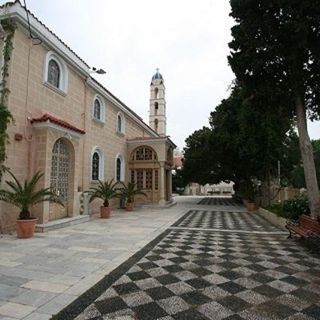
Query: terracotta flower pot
(105, 212)
(129, 206)
(245, 201)
(25, 228)
(251, 206)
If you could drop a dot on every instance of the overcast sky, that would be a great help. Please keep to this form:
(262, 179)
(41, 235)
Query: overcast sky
(186, 39)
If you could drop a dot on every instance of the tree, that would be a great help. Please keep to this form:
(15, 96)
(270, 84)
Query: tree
(178, 182)
(199, 159)
(242, 144)
(251, 139)
(295, 176)
(275, 54)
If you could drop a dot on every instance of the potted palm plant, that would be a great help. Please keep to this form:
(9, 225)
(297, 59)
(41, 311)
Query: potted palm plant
(106, 191)
(129, 191)
(24, 196)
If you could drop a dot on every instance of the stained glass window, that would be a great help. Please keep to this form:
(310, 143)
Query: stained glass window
(119, 123)
(97, 109)
(54, 73)
(95, 166)
(118, 169)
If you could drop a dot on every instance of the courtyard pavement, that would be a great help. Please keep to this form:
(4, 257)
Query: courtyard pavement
(203, 259)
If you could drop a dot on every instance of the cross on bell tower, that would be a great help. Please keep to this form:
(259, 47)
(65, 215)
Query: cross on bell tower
(157, 115)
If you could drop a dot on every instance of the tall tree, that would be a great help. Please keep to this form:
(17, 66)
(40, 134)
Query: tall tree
(275, 54)
(199, 161)
(244, 143)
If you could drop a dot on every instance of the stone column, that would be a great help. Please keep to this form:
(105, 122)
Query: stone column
(170, 184)
(162, 185)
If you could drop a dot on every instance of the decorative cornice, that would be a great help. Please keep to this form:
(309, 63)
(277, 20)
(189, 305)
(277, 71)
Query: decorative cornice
(119, 104)
(153, 140)
(18, 13)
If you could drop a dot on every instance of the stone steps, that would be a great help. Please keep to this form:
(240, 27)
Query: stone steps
(62, 223)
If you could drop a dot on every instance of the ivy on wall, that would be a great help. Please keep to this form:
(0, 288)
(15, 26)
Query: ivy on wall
(5, 115)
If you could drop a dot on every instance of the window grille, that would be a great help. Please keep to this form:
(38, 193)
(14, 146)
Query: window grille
(95, 166)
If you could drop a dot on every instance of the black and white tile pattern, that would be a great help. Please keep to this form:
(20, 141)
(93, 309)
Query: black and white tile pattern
(216, 201)
(228, 220)
(196, 274)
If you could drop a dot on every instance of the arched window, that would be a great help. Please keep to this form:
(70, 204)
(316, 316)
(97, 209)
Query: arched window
(118, 177)
(145, 153)
(98, 111)
(156, 108)
(120, 168)
(120, 123)
(54, 73)
(156, 125)
(156, 92)
(97, 165)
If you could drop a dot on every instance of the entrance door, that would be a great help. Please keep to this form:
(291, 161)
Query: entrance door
(59, 182)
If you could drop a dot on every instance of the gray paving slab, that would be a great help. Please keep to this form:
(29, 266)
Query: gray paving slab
(40, 276)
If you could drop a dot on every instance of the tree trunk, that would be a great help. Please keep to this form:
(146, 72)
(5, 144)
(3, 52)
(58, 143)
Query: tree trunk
(307, 159)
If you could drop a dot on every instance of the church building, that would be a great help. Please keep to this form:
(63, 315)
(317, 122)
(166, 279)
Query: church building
(69, 126)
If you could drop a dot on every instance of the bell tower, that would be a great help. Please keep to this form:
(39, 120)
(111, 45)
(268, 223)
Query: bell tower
(157, 112)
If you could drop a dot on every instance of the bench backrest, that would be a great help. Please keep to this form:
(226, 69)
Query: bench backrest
(309, 223)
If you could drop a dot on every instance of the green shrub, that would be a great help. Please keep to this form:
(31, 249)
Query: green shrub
(292, 208)
(296, 207)
(277, 208)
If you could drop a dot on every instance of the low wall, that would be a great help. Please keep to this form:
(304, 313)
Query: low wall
(273, 218)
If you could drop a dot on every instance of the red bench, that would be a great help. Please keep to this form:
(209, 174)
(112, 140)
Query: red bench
(305, 228)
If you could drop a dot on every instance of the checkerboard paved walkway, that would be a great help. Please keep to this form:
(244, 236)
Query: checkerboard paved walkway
(216, 201)
(226, 220)
(191, 273)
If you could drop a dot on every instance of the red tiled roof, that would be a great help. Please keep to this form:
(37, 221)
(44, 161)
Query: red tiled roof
(47, 117)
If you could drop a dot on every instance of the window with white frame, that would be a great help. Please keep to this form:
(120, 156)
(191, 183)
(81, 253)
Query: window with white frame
(98, 109)
(97, 165)
(120, 123)
(120, 168)
(55, 72)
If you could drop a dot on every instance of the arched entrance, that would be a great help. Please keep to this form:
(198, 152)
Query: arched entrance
(144, 170)
(60, 178)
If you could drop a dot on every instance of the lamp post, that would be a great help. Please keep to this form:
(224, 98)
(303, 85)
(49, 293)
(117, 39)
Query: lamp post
(98, 71)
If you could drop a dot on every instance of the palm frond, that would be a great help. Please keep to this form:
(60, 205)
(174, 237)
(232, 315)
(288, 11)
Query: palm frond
(130, 190)
(25, 195)
(105, 190)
